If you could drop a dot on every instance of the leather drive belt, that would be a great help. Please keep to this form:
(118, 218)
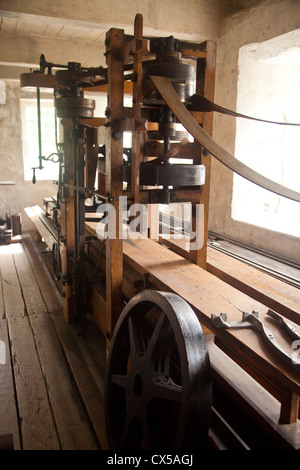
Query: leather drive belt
(200, 103)
(168, 93)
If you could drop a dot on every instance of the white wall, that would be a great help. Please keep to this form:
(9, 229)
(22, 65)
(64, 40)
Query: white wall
(256, 24)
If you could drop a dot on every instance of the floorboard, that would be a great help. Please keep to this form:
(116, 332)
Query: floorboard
(36, 420)
(50, 293)
(90, 383)
(71, 420)
(13, 300)
(8, 408)
(51, 382)
(30, 290)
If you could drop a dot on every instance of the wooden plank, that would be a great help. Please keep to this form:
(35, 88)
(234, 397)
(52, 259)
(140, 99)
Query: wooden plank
(48, 288)
(86, 374)
(8, 410)
(276, 294)
(114, 173)
(286, 271)
(41, 228)
(136, 111)
(37, 426)
(205, 85)
(34, 302)
(71, 420)
(272, 292)
(13, 300)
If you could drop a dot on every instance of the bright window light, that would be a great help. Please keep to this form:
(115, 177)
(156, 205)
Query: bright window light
(269, 88)
(30, 139)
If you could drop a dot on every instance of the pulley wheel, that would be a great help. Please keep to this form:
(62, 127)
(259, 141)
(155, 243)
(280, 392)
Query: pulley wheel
(74, 106)
(158, 384)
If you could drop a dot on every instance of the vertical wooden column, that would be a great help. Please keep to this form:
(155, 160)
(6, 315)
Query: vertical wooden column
(67, 244)
(136, 110)
(114, 175)
(206, 86)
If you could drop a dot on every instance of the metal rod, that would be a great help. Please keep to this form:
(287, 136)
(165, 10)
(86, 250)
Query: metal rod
(82, 189)
(38, 102)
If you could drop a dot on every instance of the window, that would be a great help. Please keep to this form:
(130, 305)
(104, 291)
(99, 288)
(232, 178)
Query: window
(269, 88)
(30, 138)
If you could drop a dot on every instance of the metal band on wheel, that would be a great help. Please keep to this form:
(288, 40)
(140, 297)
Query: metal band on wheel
(158, 384)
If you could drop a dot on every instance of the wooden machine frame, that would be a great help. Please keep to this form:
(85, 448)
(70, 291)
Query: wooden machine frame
(126, 268)
(118, 50)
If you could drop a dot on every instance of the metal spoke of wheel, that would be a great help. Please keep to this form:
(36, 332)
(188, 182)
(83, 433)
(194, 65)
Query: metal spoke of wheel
(158, 385)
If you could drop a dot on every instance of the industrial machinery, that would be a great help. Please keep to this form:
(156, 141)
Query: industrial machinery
(158, 381)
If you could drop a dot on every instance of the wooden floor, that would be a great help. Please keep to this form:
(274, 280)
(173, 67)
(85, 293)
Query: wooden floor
(51, 373)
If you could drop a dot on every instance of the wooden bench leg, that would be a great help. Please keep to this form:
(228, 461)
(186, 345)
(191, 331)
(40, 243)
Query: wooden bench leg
(289, 407)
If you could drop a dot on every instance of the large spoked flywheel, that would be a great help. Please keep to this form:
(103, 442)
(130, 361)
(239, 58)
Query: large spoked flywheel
(158, 385)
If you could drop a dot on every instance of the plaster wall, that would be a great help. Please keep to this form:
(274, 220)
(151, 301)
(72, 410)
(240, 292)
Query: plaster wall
(193, 17)
(259, 23)
(15, 198)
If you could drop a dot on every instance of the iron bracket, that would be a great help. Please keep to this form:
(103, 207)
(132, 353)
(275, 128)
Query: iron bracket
(251, 320)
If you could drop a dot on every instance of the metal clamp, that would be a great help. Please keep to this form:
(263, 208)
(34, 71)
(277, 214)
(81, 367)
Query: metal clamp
(250, 320)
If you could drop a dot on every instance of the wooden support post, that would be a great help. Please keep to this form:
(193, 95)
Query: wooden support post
(136, 111)
(67, 224)
(205, 85)
(114, 175)
(289, 411)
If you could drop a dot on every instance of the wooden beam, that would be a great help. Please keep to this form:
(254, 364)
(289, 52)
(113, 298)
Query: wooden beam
(274, 293)
(205, 85)
(114, 175)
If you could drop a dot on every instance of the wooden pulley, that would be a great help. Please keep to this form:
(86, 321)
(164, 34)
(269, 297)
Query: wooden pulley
(38, 80)
(168, 63)
(74, 106)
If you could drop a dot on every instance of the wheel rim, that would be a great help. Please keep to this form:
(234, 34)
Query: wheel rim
(158, 385)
